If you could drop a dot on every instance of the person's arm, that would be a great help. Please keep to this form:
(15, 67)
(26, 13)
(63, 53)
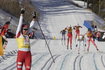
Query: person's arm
(5, 42)
(85, 34)
(3, 31)
(19, 26)
(5, 28)
(20, 23)
(32, 24)
(5, 38)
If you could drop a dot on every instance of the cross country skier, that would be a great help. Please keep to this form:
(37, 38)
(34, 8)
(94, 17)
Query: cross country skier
(24, 54)
(4, 39)
(3, 33)
(98, 35)
(90, 39)
(79, 41)
(77, 30)
(69, 39)
(63, 32)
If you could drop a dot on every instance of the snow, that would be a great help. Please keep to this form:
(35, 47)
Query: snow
(80, 3)
(4, 17)
(56, 15)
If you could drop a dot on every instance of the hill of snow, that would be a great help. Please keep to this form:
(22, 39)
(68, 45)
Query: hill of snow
(56, 15)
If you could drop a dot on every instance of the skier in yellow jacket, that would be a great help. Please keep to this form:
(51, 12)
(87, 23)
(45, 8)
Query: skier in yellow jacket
(24, 54)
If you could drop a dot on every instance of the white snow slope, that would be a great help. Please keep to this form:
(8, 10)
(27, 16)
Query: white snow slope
(56, 15)
(4, 17)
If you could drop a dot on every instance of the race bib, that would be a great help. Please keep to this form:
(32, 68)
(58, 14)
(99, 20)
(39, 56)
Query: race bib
(26, 40)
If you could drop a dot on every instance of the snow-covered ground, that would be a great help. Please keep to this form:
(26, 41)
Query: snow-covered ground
(55, 16)
(80, 3)
(4, 17)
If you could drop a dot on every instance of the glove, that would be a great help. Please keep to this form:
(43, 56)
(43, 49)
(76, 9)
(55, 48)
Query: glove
(34, 14)
(22, 10)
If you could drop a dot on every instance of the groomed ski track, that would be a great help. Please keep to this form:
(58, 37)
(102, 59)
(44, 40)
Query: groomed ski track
(56, 15)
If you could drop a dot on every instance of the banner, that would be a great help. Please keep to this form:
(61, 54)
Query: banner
(88, 25)
(1, 47)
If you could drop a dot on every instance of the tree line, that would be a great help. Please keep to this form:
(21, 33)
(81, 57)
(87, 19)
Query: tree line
(97, 6)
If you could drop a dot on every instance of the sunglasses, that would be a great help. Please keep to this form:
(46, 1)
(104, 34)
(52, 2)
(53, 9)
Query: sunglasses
(25, 29)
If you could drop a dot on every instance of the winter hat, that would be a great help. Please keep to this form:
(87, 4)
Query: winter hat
(25, 26)
(8, 22)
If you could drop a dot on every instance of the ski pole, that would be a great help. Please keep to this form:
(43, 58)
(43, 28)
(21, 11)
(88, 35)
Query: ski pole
(45, 40)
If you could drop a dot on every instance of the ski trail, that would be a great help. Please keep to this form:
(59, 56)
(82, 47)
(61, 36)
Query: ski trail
(99, 61)
(10, 56)
(64, 61)
(13, 68)
(49, 63)
(87, 62)
(59, 62)
(52, 62)
(77, 62)
(96, 68)
(102, 60)
(38, 64)
(81, 62)
(74, 66)
(80, 66)
(38, 59)
(10, 65)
